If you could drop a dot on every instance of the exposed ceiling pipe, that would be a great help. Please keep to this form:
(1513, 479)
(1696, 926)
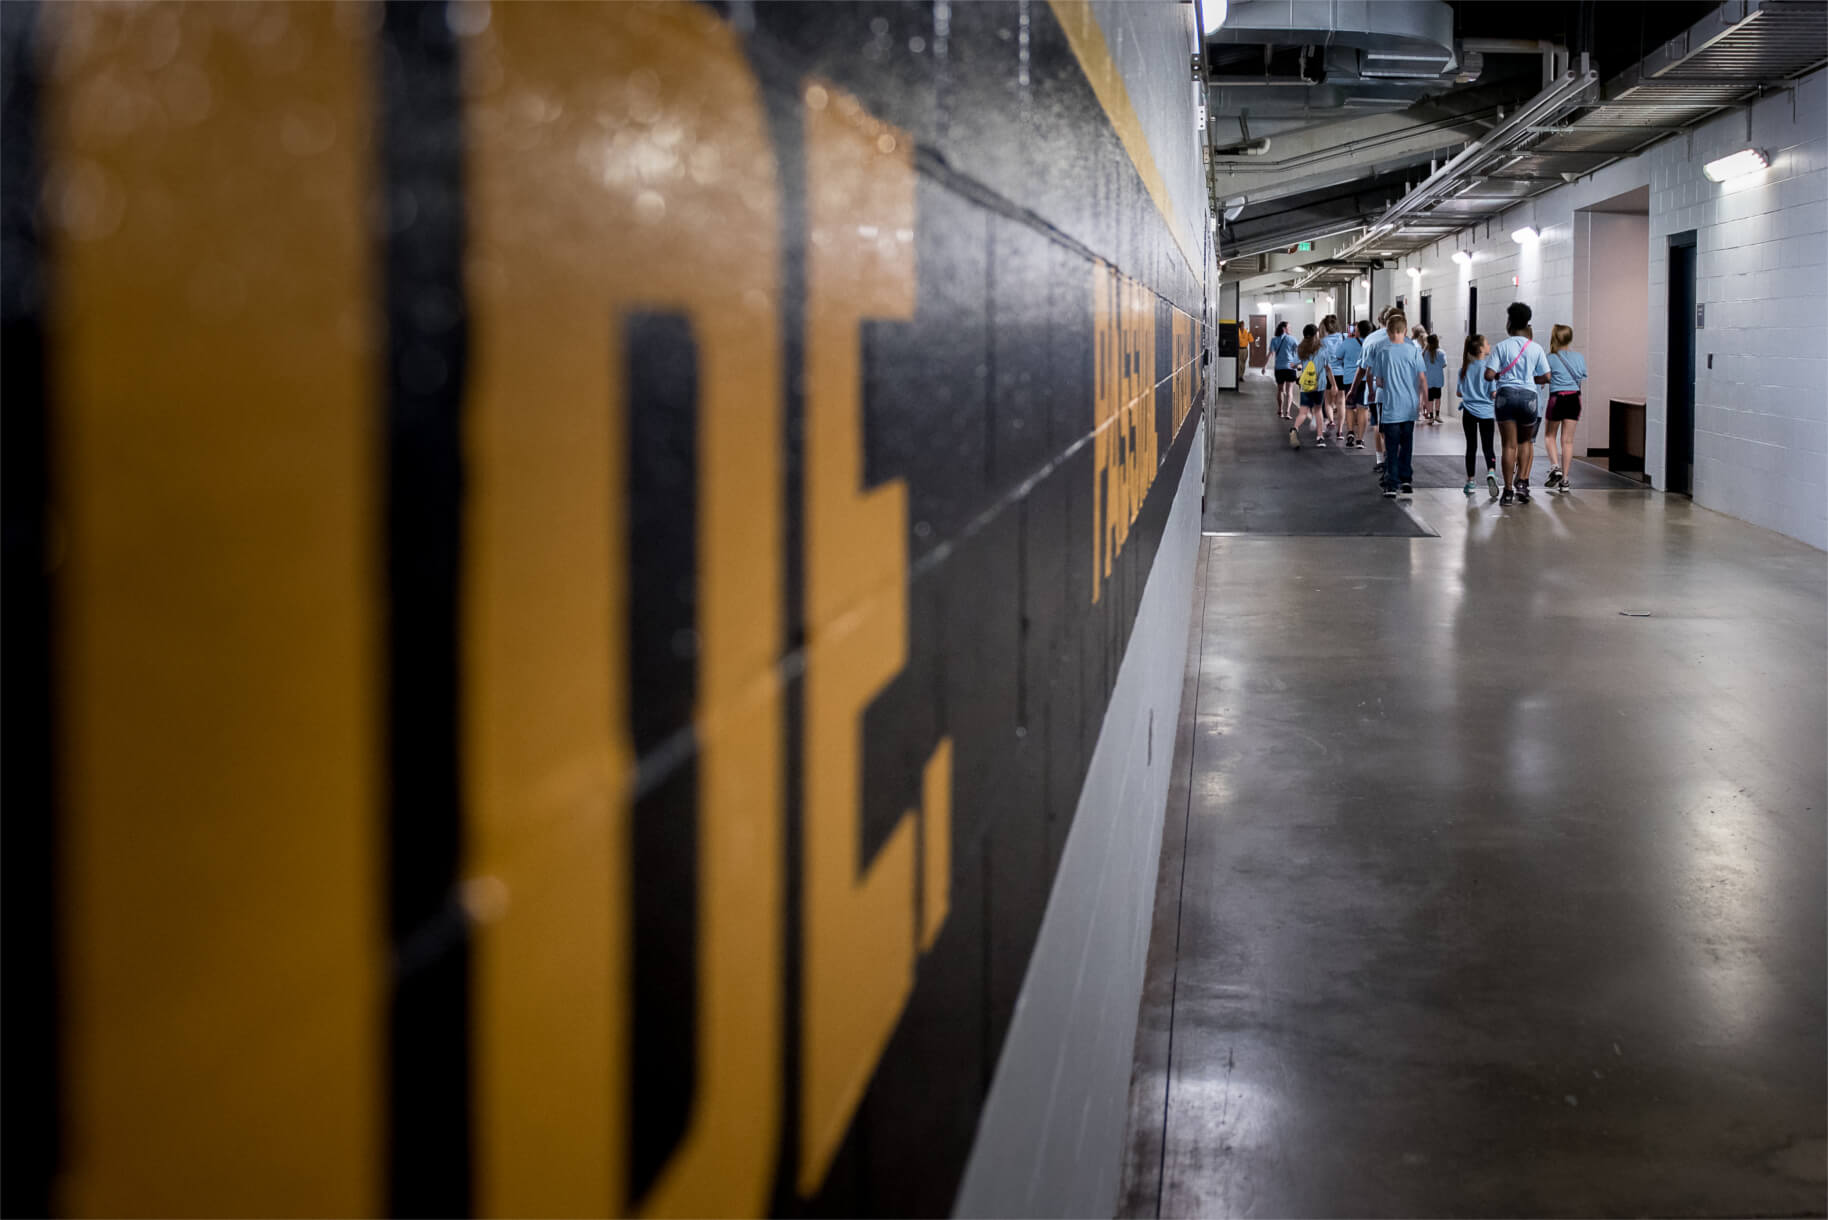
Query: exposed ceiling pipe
(1566, 92)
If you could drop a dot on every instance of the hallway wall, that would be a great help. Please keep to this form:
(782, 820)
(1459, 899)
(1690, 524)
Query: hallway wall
(579, 570)
(1761, 413)
(1611, 315)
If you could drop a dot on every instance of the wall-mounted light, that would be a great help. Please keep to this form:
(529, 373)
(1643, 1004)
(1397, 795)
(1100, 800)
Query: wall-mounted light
(1526, 234)
(1262, 306)
(1415, 273)
(1745, 161)
(1463, 257)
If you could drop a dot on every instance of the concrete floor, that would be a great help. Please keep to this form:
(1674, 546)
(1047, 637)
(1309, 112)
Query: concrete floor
(1479, 898)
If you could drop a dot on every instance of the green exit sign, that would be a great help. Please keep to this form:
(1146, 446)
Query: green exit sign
(1305, 246)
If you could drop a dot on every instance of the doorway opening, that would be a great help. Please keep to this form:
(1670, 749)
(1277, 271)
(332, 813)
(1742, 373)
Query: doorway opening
(1428, 312)
(1679, 422)
(1472, 309)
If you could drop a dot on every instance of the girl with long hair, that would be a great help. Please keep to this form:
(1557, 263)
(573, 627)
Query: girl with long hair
(1476, 413)
(1567, 369)
(1311, 377)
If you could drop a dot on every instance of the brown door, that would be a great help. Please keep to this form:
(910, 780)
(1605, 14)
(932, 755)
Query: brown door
(1259, 340)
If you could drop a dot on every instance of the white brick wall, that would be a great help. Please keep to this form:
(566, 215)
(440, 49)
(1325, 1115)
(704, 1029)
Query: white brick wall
(1761, 415)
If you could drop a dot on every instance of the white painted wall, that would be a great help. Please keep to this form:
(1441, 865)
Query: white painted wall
(1761, 413)
(1611, 315)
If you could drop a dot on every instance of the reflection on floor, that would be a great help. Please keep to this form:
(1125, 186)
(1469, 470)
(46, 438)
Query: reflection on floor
(1482, 897)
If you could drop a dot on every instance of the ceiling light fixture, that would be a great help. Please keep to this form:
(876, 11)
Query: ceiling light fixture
(1738, 165)
(1415, 273)
(1463, 257)
(1526, 234)
(1262, 306)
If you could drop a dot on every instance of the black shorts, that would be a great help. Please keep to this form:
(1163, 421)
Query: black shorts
(1564, 404)
(1311, 398)
(1377, 416)
(1356, 398)
(1434, 393)
(1515, 405)
(1284, 376)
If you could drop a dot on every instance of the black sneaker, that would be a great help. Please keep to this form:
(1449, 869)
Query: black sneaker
(1351, 440)
(1555, 477)
(1389, 493)
(1523, 493)
(1409, 489)
(1509, 497)
(1564, 487)
(1320, 442)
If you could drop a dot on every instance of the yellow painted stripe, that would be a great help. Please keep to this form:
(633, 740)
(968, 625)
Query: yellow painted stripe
(215, 445)
(1094, 55)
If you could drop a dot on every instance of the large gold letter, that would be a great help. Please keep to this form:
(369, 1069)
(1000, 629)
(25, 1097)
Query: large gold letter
(860, 924)
(620, 161)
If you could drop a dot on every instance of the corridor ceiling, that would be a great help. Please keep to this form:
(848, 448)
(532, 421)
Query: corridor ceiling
(1375, 127)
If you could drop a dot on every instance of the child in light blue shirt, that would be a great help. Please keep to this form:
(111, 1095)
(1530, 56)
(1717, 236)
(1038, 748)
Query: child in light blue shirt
(1476, 413)
(1567, 369)
(1402, 383)
(1435, 365)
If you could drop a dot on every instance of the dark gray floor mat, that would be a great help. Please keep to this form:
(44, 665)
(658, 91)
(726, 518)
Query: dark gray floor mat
(1258, 485)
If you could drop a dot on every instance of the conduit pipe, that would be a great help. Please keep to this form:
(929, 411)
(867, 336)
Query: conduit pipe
(1564, 94)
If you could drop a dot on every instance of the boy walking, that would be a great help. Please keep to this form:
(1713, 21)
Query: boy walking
(1402, 376)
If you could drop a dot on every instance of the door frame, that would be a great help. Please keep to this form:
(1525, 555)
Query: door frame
(1679, 369)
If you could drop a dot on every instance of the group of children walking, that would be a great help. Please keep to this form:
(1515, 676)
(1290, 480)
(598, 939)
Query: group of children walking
(1342, 379)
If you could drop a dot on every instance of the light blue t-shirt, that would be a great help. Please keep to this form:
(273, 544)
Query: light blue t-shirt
(1329, 351)
(1476, 391)
(1437, 370)
(1284, 346)
(1345, 356)
(1367, 354)
(1400, 366)
(1567, 369)
(1523, 371)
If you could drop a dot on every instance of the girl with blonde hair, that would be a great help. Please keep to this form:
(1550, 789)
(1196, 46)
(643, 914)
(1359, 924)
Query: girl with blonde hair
(1567, 369)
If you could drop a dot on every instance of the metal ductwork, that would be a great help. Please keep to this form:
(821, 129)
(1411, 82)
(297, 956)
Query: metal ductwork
(1564, 95)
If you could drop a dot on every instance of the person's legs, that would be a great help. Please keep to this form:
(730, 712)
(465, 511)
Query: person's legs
(1553, 430)
(1526, 452)
(1469, 426)
(1508, 430)
(1405, 452)
(1386, 444)
(1486, 428)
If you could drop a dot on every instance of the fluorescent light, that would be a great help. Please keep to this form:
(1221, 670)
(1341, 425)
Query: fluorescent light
(1527, 233)
(1215, 15)
(1745, 161)
(1463, 257)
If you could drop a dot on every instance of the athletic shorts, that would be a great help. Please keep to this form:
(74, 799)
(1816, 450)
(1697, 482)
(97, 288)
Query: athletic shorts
(1377, 416)
(1284, 376)
(1434, 393)
(1515, 405)
(1312, 398)
(1356, 398)
(1564, 404)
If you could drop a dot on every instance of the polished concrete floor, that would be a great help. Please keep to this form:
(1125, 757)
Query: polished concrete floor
(1478, 896)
